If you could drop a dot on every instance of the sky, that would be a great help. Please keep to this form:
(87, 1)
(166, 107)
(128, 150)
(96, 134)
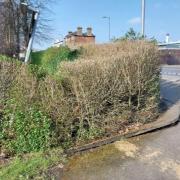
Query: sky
(162, 17)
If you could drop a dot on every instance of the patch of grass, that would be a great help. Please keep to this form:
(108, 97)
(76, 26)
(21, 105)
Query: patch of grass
(31, 165)
(51, 58)
(37, 57)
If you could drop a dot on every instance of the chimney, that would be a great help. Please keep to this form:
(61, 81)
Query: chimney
(70, 32)
(79, 31)
(167, 37)
(89, 31)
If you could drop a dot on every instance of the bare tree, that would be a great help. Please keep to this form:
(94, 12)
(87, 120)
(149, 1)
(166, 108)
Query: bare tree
(15, 24)
(9, 25)
(44, 26)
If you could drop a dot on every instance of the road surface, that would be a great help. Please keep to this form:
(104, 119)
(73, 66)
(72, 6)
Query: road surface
(154, 156)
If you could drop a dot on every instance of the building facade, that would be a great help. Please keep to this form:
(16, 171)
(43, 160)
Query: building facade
(79, 38)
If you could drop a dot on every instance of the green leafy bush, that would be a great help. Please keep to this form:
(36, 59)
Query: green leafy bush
(25, 131)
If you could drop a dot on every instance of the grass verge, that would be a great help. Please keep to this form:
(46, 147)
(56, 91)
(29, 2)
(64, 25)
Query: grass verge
(51, 58)
(31, 166)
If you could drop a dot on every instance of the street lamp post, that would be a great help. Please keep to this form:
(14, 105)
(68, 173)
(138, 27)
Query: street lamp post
(143, 17)
(35, 16)
(109, 23)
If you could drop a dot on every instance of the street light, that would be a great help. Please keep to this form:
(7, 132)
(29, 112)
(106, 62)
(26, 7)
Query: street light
(35, 16)
(143, 17)
(109, 21)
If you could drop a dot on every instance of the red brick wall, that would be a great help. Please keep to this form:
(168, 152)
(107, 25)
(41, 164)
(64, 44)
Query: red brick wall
(80, 40)
(84, 39)
(170, 56)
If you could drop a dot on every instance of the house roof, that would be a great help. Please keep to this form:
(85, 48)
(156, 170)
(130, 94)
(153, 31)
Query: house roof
(76, 34)
(170, 45)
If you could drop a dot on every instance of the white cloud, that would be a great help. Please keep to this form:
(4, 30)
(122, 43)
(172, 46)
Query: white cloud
(135, 21)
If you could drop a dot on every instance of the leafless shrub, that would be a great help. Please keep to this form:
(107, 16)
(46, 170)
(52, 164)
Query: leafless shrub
(111, 79)
(8, 71)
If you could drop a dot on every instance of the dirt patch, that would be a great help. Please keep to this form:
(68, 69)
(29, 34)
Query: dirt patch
(128, 148)
(4, 159)
(55, 172)
(151, 155)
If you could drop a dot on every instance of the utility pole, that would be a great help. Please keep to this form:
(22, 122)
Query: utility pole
(109, 23)
(143, 17)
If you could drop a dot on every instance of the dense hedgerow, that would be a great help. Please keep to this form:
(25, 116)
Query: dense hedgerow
(113, 85)
(107, 88)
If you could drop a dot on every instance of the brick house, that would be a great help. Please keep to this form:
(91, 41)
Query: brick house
(79, 38)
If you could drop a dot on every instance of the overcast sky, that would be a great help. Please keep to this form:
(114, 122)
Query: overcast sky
(162, 17)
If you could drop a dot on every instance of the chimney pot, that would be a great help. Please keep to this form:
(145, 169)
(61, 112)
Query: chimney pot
(89, 31)
(167, 37)
(79, 31)
(70, 32)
